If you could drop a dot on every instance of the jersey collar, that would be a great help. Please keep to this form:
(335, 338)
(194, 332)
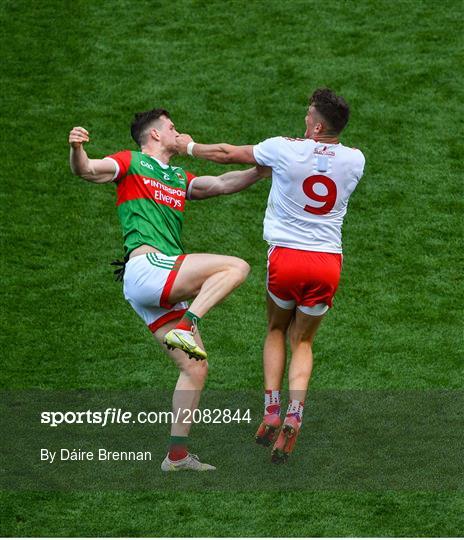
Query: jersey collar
(160, 163)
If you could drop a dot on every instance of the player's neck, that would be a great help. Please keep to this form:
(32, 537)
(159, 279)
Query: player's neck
(327, 139)
(161, 154)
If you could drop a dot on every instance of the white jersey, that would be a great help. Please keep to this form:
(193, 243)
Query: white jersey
(311, 185)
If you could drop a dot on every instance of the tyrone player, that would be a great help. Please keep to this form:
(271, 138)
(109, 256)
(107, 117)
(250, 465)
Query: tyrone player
(312, 180)
(159, 278)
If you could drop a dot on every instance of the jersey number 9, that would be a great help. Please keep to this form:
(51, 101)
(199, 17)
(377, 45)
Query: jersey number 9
(328, 199)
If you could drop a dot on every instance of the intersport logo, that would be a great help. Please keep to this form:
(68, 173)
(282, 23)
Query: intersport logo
(172, 197)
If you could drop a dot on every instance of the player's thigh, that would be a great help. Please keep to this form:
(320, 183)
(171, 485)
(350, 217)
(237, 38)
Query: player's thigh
(304, 327)
(278, 318)
(197, 268)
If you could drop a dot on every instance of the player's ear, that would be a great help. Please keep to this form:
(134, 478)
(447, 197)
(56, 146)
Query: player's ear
(318, 128)
(154, 134)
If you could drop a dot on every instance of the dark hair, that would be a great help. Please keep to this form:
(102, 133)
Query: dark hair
(334, 109)
(142, 121)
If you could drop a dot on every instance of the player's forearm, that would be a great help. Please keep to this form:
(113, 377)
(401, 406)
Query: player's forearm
(80, 163)
(235, 181)
(220, 153)
(86, 168)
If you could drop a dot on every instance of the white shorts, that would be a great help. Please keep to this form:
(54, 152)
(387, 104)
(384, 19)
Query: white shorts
(148, 280)
(315, 311)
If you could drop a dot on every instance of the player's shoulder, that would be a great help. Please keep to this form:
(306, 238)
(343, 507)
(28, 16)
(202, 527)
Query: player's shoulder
(354, 154)
(277, 151)
(357, 152)
(281, 139)
(359, 157)
(284, 142)
(293, 139)
(270, 141)
(121, 154)
(122, 160)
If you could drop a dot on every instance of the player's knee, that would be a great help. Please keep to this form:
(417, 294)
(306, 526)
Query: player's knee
(298, 339)
(279, 322)
(240, 269)
(277, 327)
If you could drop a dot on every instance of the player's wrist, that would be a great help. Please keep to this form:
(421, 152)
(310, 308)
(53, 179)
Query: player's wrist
(190, 146)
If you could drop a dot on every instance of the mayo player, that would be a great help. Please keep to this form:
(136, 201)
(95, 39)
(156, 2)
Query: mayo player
(312, 180)
(158, 276)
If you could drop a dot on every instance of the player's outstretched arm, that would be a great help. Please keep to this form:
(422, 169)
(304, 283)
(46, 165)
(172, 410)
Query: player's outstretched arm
(204, 187)
(220, 153)
(98, 171)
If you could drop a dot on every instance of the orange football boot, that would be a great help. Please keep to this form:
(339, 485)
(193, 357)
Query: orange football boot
(268, 430)
(285, 443)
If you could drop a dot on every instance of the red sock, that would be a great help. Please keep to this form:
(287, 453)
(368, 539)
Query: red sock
(178, 448)
(188, 322)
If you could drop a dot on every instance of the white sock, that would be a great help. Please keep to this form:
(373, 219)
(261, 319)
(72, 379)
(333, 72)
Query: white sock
(295, 408)
(272, 402)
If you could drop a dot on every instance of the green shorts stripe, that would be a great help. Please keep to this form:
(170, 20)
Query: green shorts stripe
(160, 263)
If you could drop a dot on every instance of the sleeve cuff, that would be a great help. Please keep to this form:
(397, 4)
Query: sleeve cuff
(116, 174)
(189, 189)
(258, 160)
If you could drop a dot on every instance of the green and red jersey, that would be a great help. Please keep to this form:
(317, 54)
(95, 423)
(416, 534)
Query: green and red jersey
(150, 201)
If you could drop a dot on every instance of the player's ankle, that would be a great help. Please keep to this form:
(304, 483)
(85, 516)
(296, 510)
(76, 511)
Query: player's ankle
(272, 402)
(189, 322)
(178, 448)
(295, 411)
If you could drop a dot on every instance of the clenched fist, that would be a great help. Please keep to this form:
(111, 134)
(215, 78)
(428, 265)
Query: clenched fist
(182, 141)
(78, 136)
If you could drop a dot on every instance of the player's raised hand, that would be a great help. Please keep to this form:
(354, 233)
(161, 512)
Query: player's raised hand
(78, 136)
(182, 141)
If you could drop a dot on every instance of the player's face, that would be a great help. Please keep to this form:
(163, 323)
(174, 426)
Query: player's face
(167, 133)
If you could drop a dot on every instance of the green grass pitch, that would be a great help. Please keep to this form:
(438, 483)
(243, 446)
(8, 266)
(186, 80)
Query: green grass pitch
(240, 72)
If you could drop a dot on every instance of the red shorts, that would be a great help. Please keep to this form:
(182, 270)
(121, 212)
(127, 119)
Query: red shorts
(303, 278)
